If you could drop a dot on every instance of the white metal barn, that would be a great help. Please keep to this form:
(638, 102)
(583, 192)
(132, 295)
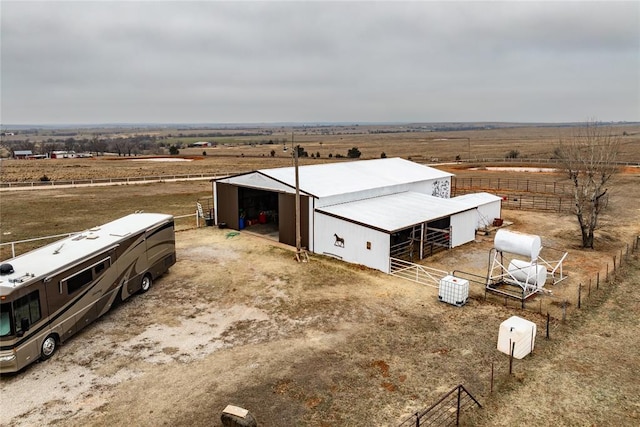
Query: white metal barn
(362, 212)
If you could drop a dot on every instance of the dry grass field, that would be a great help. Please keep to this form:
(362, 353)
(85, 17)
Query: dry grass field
(237, 321)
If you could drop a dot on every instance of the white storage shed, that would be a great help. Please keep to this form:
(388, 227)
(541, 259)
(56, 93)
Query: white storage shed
(488, 207)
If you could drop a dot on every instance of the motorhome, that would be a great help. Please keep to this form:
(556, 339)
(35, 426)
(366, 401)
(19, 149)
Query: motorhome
(49, 294)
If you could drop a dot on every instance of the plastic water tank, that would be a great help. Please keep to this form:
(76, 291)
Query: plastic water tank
(528, 245)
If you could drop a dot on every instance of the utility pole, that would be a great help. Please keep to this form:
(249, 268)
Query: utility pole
(301, 256)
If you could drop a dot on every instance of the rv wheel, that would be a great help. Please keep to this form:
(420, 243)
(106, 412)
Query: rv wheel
(49, 346)
(146, 283)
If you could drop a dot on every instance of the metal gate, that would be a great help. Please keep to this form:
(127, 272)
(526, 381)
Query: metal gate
(422, 242)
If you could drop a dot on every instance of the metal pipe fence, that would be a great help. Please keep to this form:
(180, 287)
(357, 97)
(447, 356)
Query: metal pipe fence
(512, 184)
(446, 411)
(181, 223)
(114, 181)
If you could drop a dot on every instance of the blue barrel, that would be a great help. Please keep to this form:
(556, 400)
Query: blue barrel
(241, 224)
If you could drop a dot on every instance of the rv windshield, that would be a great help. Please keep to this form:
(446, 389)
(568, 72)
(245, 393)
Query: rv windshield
(5, 319)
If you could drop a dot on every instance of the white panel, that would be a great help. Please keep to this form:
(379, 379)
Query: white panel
(463, 227)
(487, 213)
(353, 247)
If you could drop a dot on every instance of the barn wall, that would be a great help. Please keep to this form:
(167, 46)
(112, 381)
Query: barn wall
(227, 204)
(463, 227)
(355, 242)
(488, 212)
(440, 187)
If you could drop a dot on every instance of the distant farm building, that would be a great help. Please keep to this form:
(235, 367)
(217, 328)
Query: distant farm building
(22, 154)
(63, 154)
(362, 212)
(69, 155)
(201, 144)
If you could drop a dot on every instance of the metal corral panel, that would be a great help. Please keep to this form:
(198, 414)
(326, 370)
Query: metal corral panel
(463, 227)
(352, 177)
(488, 206)
(396, 211)
(351, 242)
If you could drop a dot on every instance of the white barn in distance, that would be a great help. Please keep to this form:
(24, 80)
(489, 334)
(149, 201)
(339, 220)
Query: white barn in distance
(362, 212)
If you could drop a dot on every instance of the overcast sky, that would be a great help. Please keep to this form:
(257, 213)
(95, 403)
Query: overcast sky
(254, 62)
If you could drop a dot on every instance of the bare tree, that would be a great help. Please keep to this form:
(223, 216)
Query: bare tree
(589, 158)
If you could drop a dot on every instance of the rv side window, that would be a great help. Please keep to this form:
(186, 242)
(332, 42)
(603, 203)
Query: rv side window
(79, 280)
(27, 307)
(5, 319)
(99, 268)
(84, 277)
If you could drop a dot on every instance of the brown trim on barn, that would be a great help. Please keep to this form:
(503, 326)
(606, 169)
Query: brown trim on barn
(287, 219)
(227, 201)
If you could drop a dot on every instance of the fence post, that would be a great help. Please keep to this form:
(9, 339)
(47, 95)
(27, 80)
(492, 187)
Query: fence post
(417, 420)
(564, 310)
(547, 325)
(579, 294)
(458, 408)
(598, 280)
(589, 292)
(513, 349)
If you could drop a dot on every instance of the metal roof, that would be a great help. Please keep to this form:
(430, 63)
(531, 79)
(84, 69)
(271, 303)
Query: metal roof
(331, 179)
(396, 211)
(477, 199)
(48, 259)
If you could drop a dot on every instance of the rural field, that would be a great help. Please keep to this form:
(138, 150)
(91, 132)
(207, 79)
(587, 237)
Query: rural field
(324, 343)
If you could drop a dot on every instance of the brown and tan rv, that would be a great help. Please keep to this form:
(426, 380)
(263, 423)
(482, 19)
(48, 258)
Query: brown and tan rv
(52, 292)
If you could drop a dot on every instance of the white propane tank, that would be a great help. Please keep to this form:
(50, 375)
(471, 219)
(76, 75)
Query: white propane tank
(525, 272)
(528, 245)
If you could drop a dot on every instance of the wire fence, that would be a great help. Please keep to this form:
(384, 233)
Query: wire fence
(500, 372)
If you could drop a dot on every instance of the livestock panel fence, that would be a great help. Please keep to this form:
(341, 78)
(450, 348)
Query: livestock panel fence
(446, 411)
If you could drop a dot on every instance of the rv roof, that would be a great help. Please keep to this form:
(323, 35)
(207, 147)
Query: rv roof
(51, 258)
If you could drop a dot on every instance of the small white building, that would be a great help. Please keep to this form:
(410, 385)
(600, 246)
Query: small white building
(362, 212)
(63, 155)
(488, 207)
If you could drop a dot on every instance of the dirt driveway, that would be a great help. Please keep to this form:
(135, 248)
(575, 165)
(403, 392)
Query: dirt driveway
(238, 321)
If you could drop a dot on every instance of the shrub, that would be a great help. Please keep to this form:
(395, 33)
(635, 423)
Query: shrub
(513, 154)
(354, 153)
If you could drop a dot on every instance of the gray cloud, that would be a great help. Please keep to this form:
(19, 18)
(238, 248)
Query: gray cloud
(98, 62)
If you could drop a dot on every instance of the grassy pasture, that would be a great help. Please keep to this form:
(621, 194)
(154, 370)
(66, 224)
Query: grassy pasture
(426, 349)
